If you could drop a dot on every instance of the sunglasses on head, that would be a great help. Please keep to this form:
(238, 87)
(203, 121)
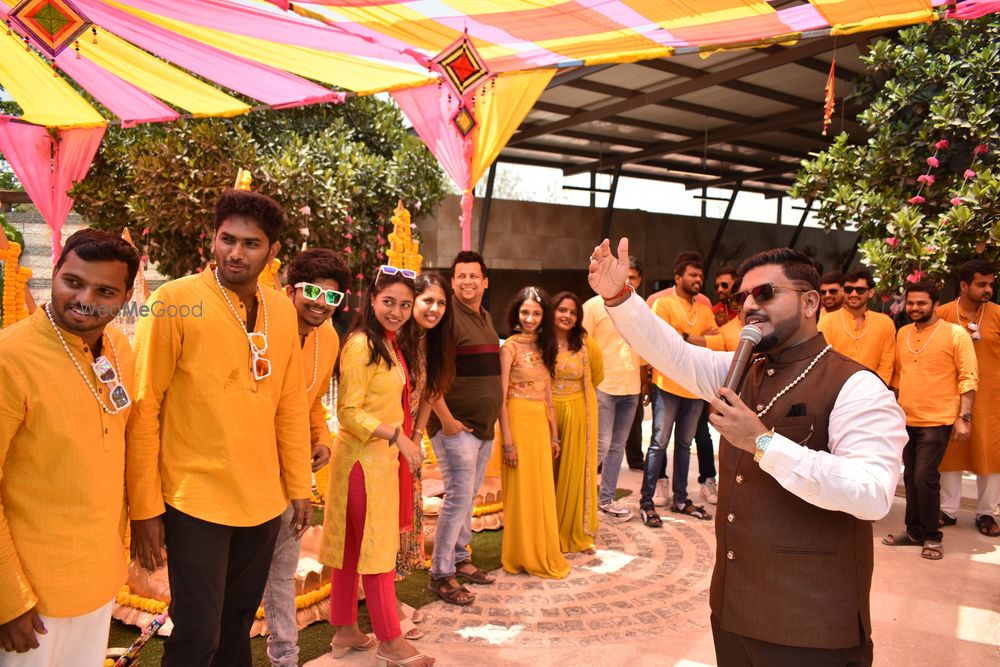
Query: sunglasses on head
(313, 292)
(761, 294)
(106, 373)
(409, 274)
(259, 365)
(855, 289)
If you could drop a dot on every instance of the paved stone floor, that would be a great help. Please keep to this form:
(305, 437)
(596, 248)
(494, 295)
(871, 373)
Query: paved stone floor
(643, 600)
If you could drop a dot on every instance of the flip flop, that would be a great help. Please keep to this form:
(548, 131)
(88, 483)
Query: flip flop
(932, 551)
(338, 652)
(987, 525)
(900, 540)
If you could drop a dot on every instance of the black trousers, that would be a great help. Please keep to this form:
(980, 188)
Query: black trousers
(217, 577)
(633, 446)
(733, 650)
(921, 458)
(705, 447)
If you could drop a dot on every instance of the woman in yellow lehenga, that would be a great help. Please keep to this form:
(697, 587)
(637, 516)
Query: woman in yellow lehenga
(579, 369)
(527, 422)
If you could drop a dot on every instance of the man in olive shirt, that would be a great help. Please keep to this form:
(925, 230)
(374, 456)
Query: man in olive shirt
(462, 429)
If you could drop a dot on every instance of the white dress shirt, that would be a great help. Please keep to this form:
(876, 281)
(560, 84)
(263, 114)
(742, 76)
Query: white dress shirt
(867, 428)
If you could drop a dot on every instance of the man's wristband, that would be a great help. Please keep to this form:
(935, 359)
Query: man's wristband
(625, 290)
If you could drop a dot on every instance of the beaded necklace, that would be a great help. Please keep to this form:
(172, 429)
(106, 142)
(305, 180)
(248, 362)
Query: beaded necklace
(232, 308)
(973, 327)
(929, 338)
(114, 353)
(312, 383)
(794, 382)
(685, 310)
(396, 362)
(843, 321)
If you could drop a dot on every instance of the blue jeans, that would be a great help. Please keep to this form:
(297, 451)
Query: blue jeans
(614, 419)
(279, 596)
(462, 458)
(680, 415)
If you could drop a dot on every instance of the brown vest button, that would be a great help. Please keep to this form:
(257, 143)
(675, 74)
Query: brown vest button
(739, 479)
(731, 517)
(730, 555)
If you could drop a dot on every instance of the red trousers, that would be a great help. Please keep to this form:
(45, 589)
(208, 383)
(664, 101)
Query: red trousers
(380, 592)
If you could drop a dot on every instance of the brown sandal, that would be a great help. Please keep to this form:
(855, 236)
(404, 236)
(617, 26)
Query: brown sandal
(473, 576)
(452, 592)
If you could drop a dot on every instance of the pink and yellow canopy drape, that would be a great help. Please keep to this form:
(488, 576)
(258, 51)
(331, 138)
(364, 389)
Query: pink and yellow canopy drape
(156, 60)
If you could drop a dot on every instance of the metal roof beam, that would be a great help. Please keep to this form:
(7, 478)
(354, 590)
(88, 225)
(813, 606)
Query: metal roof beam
(721, 135)
(748, 176)
(803, 50)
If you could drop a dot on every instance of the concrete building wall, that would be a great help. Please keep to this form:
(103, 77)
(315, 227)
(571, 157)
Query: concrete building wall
(549, 245)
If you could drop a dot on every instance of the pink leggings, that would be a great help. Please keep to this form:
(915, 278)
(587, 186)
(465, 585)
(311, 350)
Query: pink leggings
(380, 590)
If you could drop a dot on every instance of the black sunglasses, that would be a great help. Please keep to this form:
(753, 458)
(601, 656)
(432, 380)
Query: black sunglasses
(830, 291)
(722, 285)
(855, 289)
(761, 294)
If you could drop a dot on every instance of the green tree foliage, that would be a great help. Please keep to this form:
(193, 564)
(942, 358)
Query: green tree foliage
(338, 171)
(8, 181)
(924, 191)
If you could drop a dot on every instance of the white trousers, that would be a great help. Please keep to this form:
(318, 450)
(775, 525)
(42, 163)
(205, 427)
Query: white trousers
(951, 493)
(76, 641)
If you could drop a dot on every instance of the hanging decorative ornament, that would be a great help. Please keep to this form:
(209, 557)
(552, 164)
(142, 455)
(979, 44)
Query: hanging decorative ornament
(404, 250)
(52, 25)
(464, 121)
(829, 100)
(461, 67)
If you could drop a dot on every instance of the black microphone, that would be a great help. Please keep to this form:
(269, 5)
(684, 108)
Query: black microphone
(749, 338)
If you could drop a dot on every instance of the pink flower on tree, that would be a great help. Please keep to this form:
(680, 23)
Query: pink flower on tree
(915, 277)
(942, 145)
(916, 200)
(933, 161)
(969, 174)
(956, 201)
(931, 248)
(891, 241)
(979, 150)
(925, 178)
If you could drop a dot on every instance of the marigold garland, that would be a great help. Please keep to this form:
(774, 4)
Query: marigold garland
(15, 281)
(127, 598)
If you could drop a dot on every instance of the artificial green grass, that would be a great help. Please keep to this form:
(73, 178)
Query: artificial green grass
(314, 640)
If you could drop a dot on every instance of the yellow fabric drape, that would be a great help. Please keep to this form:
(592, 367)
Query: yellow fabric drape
(500, 111)
(850, 16)
(362, 75)
(45, 99)
(158, 78)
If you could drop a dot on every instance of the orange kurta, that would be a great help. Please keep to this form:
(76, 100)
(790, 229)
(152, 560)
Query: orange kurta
(933, 368)
(873, 344)
(693, 319)
(981, 452)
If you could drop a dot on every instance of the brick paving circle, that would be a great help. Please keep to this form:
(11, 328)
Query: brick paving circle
(641, 582)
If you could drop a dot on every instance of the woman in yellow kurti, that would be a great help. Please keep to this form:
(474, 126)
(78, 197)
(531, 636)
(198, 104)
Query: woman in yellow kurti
(579, 369)
(362, 522)
(527, 422)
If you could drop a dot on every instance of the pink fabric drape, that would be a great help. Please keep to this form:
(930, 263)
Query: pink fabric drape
(261, 82)
(121, 98)
(47, 169)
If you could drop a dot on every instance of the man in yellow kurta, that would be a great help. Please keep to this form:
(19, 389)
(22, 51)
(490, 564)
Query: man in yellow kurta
(867, 337)
(65, 385)
(831, 292)
(980, 318)
(674, 408)
(935, 378)
(315, 278)
(219, 435)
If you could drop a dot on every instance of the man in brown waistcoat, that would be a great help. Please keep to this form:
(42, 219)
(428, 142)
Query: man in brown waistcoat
(803, 472)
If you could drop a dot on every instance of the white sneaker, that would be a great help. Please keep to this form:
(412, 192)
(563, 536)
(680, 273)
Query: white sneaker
(709, 491)
(662, 497)
(616, 510)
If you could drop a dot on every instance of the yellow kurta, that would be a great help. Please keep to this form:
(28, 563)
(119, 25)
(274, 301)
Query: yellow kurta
(981, 452)
(621, 363)
(319, 356)
(62, 473)
(933, 368)
(531, 529)
(575, 403)
(728, 337)
(204, 436)
(693, 320)
(369, 395)
(872, 345)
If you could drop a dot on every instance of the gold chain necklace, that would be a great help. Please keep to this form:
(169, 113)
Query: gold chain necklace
(396, 362)
(908, 333)
(694, 308)
(843, 320)
(114, 353)
(970, 323)
(312, 383)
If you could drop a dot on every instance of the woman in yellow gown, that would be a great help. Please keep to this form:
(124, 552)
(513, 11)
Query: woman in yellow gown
(579, 369)
(527, 423)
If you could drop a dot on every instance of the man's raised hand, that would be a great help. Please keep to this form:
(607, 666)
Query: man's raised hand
(607, 273)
